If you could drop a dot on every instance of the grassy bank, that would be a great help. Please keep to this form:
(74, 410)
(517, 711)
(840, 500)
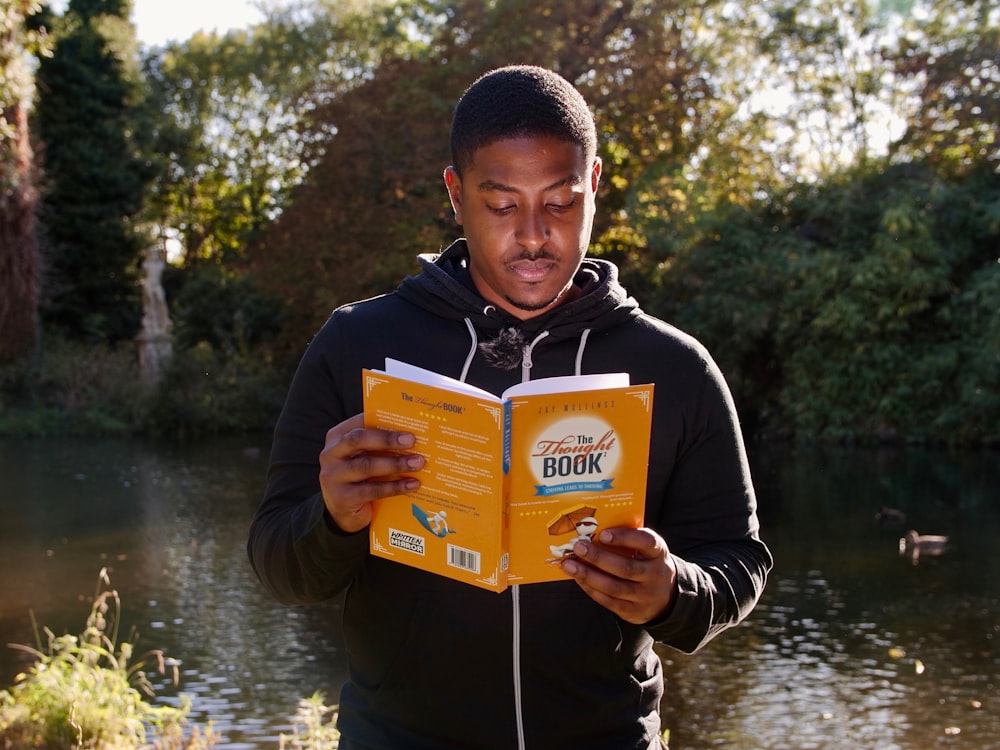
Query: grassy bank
(70, 388)
(93, 690)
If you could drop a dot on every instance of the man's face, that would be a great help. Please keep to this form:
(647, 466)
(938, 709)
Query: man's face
(527, 208)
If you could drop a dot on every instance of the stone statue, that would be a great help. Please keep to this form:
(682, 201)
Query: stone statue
(155, 346)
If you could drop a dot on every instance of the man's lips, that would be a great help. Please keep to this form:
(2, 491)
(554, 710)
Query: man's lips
(532, 270)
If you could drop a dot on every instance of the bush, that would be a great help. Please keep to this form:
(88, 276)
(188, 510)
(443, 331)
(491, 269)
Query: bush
(73, 389)
(204, 392)
(860, 310)
(87, 691)
(82, 390)
(309, 730)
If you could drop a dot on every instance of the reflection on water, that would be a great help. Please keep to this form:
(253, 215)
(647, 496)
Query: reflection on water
(170, 523)
(852, 646)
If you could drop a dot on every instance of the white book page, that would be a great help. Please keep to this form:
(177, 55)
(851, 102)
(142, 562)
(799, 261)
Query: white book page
(561, 384)
(569, 384)
(428, 377)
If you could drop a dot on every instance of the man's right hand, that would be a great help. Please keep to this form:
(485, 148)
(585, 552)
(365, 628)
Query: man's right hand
(358, 465)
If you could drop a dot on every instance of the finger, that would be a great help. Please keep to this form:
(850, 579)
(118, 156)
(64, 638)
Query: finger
(607, 590)
(635, 601)
(639, 543)
(351, 423)
(363, 466)
(350, 437)
(610, 569)
(363, 493)
(349, 486)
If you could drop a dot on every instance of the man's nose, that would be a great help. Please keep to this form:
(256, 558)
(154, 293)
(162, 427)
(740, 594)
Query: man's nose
(532, 230)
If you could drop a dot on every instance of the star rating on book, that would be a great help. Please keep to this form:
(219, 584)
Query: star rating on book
(434, 417)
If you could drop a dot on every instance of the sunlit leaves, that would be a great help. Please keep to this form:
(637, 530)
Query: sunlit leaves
(239, 131)
(952, 51)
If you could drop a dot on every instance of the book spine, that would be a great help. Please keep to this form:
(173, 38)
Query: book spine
(507, 410)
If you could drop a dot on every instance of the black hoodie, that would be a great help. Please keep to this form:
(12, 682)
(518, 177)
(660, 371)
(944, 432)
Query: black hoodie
(435, 664)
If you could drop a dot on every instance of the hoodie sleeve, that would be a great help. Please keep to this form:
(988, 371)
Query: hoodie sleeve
(296, 550)
(708, 517)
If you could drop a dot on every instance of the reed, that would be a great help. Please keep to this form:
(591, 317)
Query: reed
(92, 691)
(312, 729)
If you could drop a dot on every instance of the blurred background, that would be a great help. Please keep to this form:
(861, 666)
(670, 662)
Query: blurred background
(811, 188)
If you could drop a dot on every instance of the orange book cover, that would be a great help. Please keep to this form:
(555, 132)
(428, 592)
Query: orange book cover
(509, 481)
(578, 465)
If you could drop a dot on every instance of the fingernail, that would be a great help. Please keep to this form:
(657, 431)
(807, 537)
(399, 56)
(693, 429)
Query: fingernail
(411, 484)
(414, 462)
(405, 439)
(570, 567)
(581, 549)
(606, 537)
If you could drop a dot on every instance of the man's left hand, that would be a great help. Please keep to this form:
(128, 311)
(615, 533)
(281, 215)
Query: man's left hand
(629, 571)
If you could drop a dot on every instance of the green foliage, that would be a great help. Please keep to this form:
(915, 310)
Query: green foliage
(809, 187)
(225, 310)
(233, 115)
(950, 53)
(859, 312)
(310, 731)
(80, 389)
(95, 173)
(72, 389)
(223, 377)
(206, 392)
(89, 691)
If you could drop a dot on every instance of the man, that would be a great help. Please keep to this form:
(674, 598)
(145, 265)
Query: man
(568, 664)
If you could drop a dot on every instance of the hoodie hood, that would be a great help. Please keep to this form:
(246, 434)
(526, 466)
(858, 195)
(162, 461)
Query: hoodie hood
(445, 288)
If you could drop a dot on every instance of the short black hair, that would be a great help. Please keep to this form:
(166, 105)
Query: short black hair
(518, 101)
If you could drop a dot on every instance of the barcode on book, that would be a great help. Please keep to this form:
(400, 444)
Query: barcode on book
(465, 559)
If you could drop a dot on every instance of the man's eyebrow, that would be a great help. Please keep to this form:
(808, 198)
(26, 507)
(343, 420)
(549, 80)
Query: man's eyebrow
(487, 186)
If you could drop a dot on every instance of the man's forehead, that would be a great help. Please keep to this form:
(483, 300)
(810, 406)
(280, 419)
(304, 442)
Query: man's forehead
(543, 161)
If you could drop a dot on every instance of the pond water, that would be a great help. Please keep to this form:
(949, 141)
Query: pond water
(852, 645)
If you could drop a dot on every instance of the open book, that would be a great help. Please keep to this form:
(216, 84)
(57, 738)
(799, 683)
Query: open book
(510, 482)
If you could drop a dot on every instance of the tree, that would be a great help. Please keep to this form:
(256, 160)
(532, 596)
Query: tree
(951, 53)
(375, 199)
(18, 197)
(95, 172)
(237, 131)
(861, 308)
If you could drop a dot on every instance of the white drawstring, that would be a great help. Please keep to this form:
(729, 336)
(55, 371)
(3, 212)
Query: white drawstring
(472, 349)
(579, 351)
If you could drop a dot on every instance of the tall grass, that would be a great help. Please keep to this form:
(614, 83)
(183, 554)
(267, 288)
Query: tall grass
(311, 729)
(90, 691)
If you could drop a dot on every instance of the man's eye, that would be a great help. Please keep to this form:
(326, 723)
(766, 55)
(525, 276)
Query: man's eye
(501, 210)
(562, 206)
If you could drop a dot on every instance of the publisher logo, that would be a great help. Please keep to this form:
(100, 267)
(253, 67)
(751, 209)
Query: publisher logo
(406, 542)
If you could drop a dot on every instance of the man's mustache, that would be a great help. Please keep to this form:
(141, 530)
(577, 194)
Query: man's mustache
(538, 255)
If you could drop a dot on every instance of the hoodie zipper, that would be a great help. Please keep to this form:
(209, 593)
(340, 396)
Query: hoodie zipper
(526, 356)
(518, 711)
(516, 589)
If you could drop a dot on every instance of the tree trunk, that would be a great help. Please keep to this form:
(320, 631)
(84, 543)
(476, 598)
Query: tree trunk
(18, 242)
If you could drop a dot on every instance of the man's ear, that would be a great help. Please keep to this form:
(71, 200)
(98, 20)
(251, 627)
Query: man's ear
(454, 185)
(595, 174)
